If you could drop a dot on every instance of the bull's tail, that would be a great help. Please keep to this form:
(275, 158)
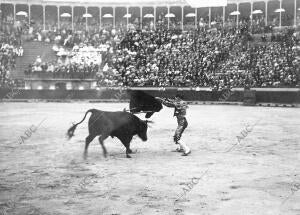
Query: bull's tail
(71, 130)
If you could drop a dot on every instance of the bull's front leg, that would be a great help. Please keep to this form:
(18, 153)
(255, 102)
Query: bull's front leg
(126, 139)
(127, 146)
(128, 151)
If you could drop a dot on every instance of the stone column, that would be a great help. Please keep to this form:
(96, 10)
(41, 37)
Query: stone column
(72, 7)
(58, 16)
(100, 17)
(209, 17)
(280, 15)
(114, 17)
(295, 13)
(224, 14)
(237, 17)
(266, 11)
(182, 17)
(251, 12)
(168, 17)
(196, 17)
(86, 19)
(154, 22)
(14, 12)
(1, 18)
(29, 14)
(44, 17)
(141, 17)
(127, 18)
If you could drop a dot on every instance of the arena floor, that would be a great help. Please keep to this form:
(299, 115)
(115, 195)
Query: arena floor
(46, 173)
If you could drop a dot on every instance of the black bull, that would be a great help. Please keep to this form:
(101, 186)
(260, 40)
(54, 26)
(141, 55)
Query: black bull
(122, 125)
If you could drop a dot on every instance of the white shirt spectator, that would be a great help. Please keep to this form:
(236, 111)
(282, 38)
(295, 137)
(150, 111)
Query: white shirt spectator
(105, 68)
(38, 60)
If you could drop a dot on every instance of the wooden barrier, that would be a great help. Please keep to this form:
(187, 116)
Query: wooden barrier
(249, 97)
(257, 95)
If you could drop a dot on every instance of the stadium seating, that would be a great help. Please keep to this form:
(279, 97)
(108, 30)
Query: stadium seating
(216, 55)
(32, 50)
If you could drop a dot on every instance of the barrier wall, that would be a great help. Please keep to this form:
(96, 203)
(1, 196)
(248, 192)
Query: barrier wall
(236, 95)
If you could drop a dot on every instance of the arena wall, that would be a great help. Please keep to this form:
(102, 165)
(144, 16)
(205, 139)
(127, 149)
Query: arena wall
(284, 96)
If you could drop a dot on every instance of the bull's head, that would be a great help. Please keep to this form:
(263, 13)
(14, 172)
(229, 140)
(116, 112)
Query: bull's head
(142, 133)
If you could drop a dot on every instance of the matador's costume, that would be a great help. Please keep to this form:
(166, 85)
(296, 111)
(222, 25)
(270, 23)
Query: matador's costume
(180, 112)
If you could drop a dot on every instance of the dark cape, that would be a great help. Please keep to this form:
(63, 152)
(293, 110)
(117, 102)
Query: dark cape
(143, 102)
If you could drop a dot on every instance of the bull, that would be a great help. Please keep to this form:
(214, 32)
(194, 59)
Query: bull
(120, 124)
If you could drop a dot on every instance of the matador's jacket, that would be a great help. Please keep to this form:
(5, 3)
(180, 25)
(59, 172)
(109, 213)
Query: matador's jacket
(180, 112)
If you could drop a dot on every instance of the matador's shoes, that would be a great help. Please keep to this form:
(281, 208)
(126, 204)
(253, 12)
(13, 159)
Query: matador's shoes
(187, 153)
(179, 150)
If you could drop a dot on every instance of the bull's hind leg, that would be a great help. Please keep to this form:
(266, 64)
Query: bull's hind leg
(101, 140)
(88, 140)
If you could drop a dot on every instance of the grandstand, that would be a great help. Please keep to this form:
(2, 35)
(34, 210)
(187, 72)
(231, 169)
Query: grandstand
(216, 44)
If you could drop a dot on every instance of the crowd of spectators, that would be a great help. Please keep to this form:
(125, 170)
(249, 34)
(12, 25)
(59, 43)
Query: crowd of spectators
(79, 55)
(273, 64)
(161, 57)
(218, 57)
(9, 50)
(202, 58)
(59, 69)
